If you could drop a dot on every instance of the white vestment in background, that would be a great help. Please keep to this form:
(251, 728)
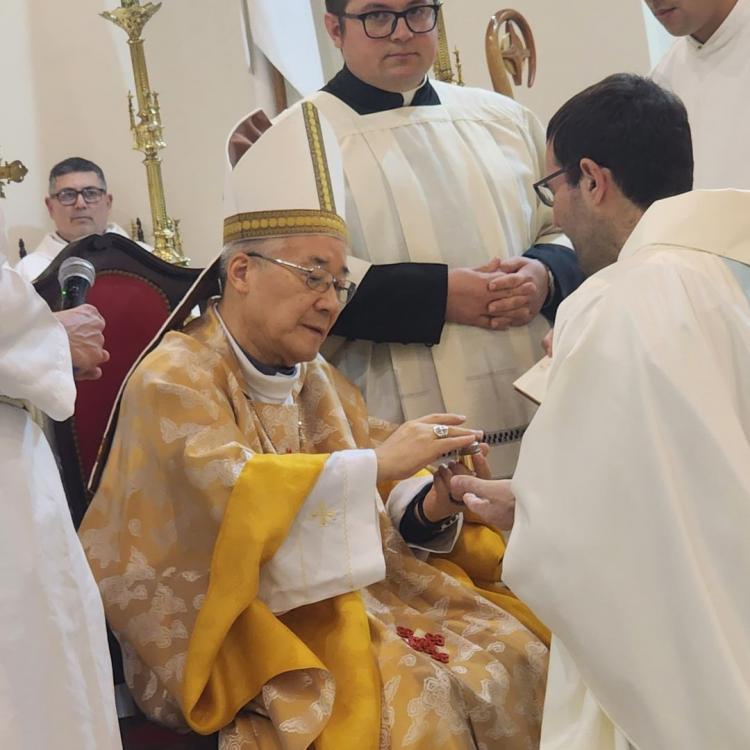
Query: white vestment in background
(449, 183)
(633, 492)
(713, 80)
(36, 262)
(56, 687)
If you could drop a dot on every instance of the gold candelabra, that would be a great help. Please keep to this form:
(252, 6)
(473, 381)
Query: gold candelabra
(147, 131)
(13, 171)
(443, 66)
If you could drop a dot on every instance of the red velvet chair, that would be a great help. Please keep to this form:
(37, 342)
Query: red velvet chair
(135, 292)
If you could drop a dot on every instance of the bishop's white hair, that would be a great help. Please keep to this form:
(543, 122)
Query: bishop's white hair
(268, 246)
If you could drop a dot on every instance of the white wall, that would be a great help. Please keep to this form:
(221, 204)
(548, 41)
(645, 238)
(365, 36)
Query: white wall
(578, 43)
(64, 77)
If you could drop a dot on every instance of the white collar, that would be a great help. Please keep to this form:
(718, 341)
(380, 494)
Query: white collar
(270, 389)
(409, 95)
(737, 19)
(708, 220)
(111, 229)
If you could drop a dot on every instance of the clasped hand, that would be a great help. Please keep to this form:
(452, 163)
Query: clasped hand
(497, 295)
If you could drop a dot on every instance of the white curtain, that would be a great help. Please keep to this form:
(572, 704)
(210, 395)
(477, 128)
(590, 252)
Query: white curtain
(285, 32)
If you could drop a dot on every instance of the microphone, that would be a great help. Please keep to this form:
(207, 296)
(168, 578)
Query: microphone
(75, 276)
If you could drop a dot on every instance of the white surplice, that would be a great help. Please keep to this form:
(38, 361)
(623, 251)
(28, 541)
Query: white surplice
(36, 262)
(450, 183)
(713, 80)
(633, 491)
(56, 687)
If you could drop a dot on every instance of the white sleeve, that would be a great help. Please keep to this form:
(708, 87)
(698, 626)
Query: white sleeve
(334, 545)
(35, 361)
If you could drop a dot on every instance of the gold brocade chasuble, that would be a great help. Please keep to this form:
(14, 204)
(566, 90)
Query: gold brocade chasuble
(200, 490)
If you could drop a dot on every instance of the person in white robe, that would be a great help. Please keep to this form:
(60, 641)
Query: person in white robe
(56, 686)
(82, 182)
(708, 67)
(439, 185)
(633, 487)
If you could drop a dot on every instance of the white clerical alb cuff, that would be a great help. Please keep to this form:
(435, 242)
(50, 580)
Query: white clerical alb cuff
(334, 545)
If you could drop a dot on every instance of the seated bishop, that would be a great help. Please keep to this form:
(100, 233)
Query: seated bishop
(277, 566)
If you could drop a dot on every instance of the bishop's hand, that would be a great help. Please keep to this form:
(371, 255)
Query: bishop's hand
(418, 443)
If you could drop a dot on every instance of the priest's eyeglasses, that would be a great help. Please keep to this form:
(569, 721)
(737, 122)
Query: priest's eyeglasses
(379, 24)
(542, 189)
(316, 278)
(69, 196)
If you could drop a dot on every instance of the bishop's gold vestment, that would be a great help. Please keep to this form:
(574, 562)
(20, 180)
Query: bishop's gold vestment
(201, 486)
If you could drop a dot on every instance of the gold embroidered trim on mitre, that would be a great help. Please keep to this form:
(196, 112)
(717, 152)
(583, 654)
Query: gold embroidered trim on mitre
(318, 155)
(259, 224)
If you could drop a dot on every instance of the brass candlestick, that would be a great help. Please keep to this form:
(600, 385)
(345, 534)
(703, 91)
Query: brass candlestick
(147, 131)
(14, 171)
(443, 67)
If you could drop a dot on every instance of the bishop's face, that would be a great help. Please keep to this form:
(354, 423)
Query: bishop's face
(274, 315)
(698, 18)
(396, 63)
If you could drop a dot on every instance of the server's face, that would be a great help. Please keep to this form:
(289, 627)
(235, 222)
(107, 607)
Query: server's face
(699, 18)
(397, 62)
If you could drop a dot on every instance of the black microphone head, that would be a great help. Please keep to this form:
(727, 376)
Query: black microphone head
(76, 276)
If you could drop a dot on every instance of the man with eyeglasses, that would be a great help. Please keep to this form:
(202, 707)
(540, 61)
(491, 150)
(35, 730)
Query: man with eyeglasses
(249, 532)
(633, 486)
(78, 204)
(439, 186)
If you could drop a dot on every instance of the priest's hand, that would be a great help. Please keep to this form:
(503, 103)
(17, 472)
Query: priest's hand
(520, 292)
(415, 444)
(492, 500)
(439, 503)
(85, 328)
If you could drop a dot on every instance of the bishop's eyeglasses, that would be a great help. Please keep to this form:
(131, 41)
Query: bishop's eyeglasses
(69, 196)
(379, 24)
(316, 278)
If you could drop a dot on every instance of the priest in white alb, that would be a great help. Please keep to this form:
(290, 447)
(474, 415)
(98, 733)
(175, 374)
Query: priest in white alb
(56, 687)
(255, 580)
(633, 485)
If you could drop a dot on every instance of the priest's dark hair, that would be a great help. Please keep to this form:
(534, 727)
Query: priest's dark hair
(74, 164)
(632, 126)
(336, 6)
